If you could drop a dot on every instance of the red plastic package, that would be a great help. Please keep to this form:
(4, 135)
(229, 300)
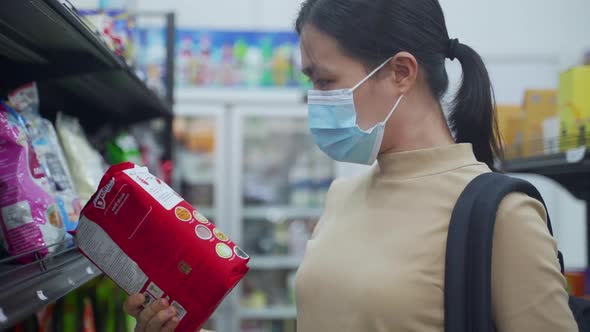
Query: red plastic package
(149, 240)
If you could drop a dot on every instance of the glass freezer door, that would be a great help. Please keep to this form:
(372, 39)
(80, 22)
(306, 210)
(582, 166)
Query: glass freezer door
(283, 179)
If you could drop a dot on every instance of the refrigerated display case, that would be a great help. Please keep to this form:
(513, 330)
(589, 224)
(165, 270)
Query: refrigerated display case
(254, 170)
(281, 180)
(199, 144)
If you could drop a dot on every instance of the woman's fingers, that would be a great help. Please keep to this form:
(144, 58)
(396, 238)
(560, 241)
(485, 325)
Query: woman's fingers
(171, 325)
(149, 312)
(160, 319)
(134, 305)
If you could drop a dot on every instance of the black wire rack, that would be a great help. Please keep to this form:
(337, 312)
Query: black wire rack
(25, 288)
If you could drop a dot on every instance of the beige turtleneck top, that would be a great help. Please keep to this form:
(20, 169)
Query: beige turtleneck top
(375, 262)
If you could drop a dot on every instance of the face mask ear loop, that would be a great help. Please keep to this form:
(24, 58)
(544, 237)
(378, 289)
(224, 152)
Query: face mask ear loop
(370, 75)
(399, 100)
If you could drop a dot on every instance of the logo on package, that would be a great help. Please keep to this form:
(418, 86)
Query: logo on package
(99, 200)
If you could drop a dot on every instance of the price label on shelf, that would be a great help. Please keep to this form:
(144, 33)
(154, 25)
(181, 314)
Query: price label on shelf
(575, 155)
(41, 296)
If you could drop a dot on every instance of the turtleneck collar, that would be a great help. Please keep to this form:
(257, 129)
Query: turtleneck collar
(425, 162)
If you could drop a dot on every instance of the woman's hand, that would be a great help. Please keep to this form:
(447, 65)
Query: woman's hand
(159, 316)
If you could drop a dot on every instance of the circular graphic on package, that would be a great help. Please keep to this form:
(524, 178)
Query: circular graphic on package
(200, 218)
(240, 253)
(223, 250)
(203, 232)
(219, 234)
(182, 214)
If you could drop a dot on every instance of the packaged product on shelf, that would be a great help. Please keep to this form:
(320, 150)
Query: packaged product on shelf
(538, 106)
(511, 121)
(123, 148)
(298, 237)
(50, 153)
(151, 150)
(551, 135)
(29, 218)
(300, 182)
(88, 316)
(322, 176)
(574, 106)
(149, 240)
(85, 162)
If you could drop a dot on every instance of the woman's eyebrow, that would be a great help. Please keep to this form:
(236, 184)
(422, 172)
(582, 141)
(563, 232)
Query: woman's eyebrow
(309, 70)
(314, 69)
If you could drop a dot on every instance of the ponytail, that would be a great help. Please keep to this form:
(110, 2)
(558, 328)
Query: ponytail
(473, 114)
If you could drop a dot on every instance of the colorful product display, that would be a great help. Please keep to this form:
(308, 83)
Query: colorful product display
(549, 121)
(538, 106)
(195, 158)
(238, 59)
(287, 170)
(574, 107)
(86, 164)
(510, 123)
(123, 148)
(30, 217)
(51, 155)
(116, 27)
(148, 239)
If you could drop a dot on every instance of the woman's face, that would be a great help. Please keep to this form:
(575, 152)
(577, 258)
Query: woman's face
(329, 68)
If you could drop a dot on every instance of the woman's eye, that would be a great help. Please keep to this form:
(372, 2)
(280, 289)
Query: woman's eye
(321, 84)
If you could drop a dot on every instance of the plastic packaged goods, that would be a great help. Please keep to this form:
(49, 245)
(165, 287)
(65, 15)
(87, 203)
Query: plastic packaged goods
(123, 148)
(86, 164)
(300, 181)
(151, 150)
(146, 238)
(29, 218)
(51, 156)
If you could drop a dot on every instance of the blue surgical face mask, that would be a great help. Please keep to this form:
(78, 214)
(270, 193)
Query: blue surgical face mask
(332, 122)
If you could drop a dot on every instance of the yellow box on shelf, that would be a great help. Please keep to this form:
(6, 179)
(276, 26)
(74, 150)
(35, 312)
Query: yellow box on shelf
(538, 106)
(574, 106)
(511, 125)
(569, 127)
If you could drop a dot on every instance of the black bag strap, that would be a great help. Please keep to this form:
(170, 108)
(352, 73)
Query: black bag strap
(468, 263)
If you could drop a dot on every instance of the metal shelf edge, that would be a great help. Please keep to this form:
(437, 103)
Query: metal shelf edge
(271, 313)
(274, 262)
(28, 297)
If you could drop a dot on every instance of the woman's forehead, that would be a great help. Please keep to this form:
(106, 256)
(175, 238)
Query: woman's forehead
(319, 51)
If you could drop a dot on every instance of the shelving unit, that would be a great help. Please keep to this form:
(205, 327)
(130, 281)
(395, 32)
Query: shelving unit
(26, 288)
(274, 262)
(571, 169)
(47, 42)
(271, 313)
(280, 212)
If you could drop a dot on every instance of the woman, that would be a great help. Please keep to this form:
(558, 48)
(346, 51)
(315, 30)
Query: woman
(376, 259)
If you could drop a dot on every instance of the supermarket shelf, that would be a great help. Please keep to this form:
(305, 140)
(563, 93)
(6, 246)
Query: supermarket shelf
(573, 161)
(571, 169)
(273, 213)
(274, 262)
(47, 42)
(271, 313)
(26, 288)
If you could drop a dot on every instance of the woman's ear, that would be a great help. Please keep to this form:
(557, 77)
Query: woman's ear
(404, 69)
